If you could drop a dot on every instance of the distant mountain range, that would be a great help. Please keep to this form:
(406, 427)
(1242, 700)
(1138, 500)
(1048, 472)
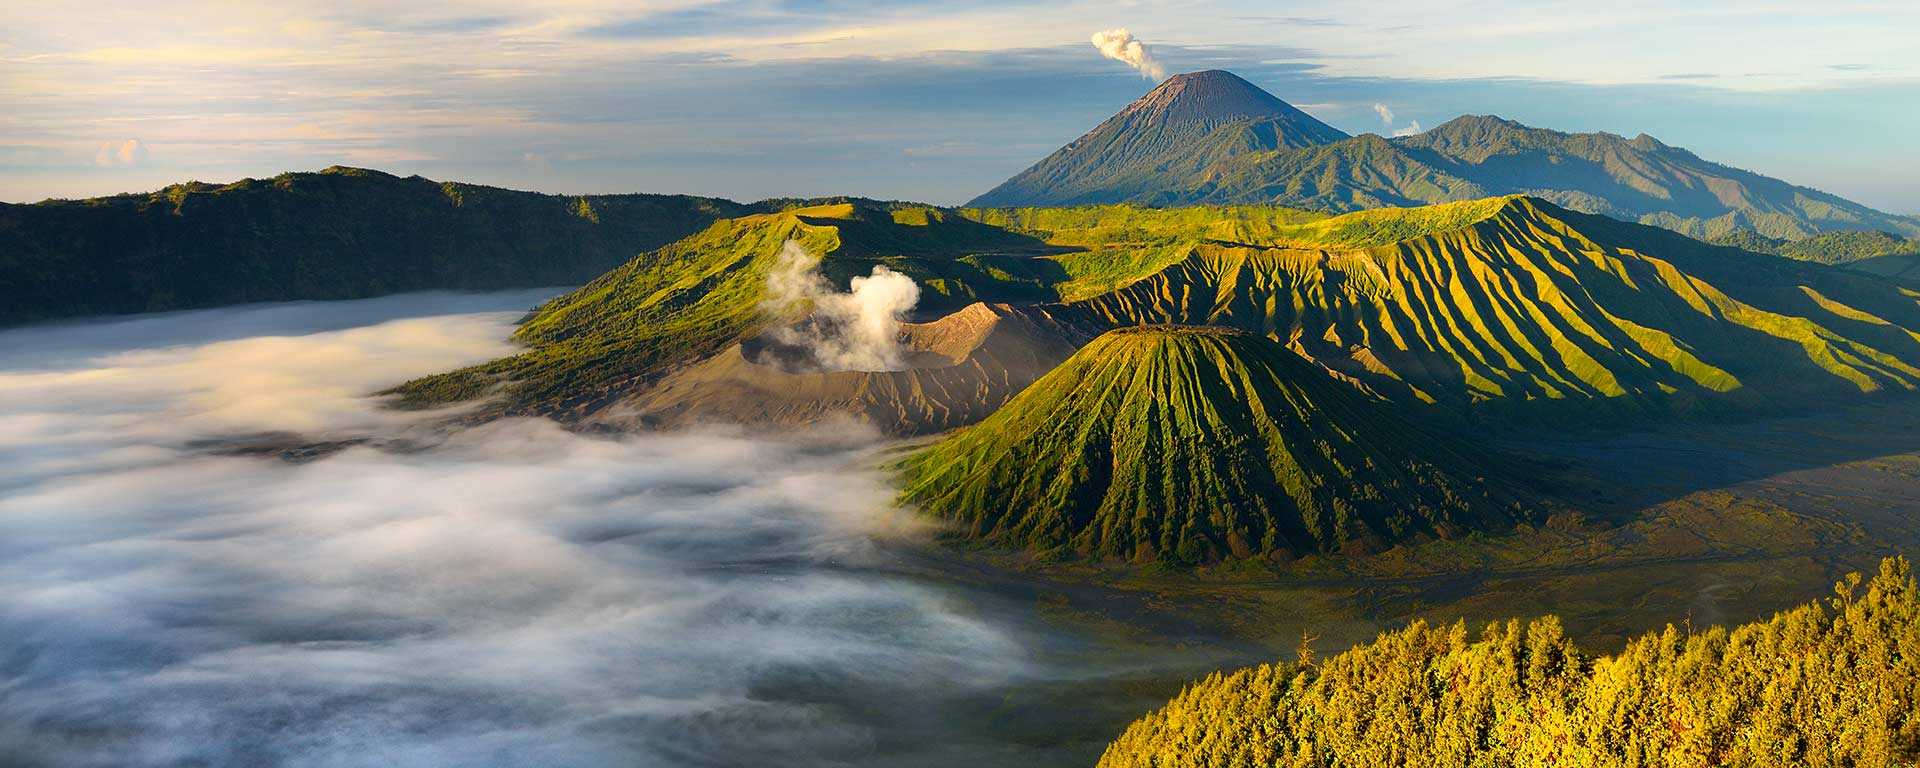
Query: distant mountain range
(340, 233)
(1214, 138)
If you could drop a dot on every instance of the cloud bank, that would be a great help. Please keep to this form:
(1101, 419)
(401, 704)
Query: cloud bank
(1120, 45)
(512, 594)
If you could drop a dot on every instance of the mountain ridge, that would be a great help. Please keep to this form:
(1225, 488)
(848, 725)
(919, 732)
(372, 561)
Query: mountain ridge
(1506, 309)
(1472, 156)
(334, 234)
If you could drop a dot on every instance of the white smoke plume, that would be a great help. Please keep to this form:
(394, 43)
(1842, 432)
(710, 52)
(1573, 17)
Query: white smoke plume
(1411, 129)
(1385, 112)
(1120, 45)
(854, 331)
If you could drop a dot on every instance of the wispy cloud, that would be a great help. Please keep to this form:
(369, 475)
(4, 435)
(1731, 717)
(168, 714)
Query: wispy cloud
(125, 152)
(674, 92)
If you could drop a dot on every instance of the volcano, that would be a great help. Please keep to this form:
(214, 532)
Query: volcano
(1180, 128)
(1194, 444)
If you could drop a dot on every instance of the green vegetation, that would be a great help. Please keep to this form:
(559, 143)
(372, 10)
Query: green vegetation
(337, 234)
(1195, 444)
(1186, 145)
(690, 300)
(1497, 308)
(1868, 251)
(1534, 310)
(1831, 683)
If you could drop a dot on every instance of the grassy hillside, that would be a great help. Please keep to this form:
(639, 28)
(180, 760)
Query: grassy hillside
(1514, 304)
(1832, 683)
(337, 234)
(1488, 308)
(692, 299)
(1191, 444)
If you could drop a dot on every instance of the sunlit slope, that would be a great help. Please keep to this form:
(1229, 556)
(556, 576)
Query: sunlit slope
(1532, 305)
(693, 298)
(1195, 444)
(1832, 683)
(1497, 307)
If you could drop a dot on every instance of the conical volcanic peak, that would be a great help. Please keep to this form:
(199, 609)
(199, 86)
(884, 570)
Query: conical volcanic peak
(1177, 130)
(1194, 444)
(1211, 97)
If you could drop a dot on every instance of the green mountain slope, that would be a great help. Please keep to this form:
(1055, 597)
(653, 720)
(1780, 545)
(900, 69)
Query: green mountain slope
(695, 298)
(1832, 683)
(1514, 304)
(1486, 310)
(1842, 247)
(1180, 128)
(340, 233)
(1197, 444)
(1638, 179)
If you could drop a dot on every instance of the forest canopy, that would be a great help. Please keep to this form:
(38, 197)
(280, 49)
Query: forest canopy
(1835, 682)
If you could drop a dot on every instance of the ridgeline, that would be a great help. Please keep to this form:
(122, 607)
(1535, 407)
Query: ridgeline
(341, 233)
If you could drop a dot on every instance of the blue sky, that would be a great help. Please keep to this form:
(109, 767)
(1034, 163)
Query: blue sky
(913, 100)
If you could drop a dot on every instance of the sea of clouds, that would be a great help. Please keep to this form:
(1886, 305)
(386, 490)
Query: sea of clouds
(510, 594)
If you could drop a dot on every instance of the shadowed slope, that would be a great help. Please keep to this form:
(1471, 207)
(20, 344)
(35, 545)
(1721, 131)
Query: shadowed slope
(1193, 444)
(340, 233)
(1832, 683)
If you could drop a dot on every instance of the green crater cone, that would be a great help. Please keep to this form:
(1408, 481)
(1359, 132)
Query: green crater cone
(1193, 444)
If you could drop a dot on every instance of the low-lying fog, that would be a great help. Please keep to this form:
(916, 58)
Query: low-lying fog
(511, 594)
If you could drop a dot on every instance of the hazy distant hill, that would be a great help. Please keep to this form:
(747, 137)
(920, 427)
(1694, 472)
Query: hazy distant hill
(340, 233)
(1219, 156)
(1838, 247)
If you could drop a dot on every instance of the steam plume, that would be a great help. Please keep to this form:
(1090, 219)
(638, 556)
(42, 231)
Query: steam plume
(1385, 112)
(854, 331)
(1120, 45)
